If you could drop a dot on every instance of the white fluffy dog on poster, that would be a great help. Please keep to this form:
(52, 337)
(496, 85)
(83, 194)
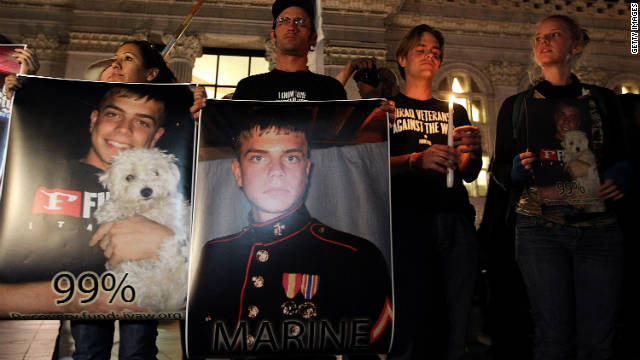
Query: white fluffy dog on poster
(145, 182)
(576, 147)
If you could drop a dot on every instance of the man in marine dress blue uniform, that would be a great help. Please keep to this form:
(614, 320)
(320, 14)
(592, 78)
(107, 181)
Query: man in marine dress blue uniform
(286, 282)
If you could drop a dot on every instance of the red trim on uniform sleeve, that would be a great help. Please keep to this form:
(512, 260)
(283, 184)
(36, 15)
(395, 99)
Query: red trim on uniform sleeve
(386, 316)
(332, 241)
(246, 278)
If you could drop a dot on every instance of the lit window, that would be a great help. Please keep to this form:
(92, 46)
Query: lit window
(626, 88)
(220, 73)
(468, 94)
(455, 86)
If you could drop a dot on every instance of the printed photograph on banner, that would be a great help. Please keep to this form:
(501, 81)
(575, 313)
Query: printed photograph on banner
(95, 213)
(8, 66)
(560, 132)
(291, 239)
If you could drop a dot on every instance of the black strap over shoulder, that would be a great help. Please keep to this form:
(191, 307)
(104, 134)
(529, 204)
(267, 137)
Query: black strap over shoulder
(518, 110)
(598, 96)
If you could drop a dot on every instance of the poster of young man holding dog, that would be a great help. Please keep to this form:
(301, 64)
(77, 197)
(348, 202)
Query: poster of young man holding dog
(91, 185)
(565, 140)
(291, 242)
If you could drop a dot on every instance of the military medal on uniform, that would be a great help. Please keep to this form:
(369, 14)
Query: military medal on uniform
(306, 284)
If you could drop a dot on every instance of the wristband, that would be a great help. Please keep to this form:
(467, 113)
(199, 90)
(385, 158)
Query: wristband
(519, 173)
(411, 162)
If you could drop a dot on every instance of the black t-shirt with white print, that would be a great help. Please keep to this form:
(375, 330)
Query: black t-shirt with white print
(289, 86)
(51, 222)
(418, 125)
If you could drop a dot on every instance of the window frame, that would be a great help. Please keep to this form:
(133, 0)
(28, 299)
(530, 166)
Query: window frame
(251, 54)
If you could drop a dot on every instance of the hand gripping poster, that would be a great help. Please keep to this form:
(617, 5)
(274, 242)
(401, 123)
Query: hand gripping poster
(8, 66)
(95, 211)
(291, 246)
(563, 137)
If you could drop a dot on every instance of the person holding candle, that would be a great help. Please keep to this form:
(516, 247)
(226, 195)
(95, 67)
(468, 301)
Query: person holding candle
(435, 251)
(571, 263)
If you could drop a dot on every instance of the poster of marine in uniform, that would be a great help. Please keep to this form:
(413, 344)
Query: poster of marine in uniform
(95, 211)
(567, 143)
(291, 249)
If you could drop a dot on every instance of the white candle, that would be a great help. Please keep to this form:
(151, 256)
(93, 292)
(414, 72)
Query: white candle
(452, 98)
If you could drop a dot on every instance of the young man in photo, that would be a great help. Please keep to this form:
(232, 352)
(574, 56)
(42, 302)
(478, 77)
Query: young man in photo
(269, 288)
(62, 213)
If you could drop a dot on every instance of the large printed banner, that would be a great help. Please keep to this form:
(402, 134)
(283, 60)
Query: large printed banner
(8, 66)
(291, 238)
(560, 132)
(95, 211)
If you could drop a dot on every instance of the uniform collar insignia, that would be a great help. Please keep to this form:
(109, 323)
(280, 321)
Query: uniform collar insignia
(277, 228)
(282, 225)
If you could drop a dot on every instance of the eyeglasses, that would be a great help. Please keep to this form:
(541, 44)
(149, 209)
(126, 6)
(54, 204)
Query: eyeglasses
(285, 20)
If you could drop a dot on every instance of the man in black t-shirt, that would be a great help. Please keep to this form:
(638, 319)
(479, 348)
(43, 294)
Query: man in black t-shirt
(293, 34)
(435, 253)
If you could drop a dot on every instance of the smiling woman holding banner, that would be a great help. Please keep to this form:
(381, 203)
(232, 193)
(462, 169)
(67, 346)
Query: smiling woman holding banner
(570, 257)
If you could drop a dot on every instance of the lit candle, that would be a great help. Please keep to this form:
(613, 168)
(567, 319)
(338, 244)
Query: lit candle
(452, 98)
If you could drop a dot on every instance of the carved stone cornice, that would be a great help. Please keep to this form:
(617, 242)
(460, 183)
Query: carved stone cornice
(505, 73)
(243, 3)
(48, 3)
(340, 55)
(484, 27)
(187, 47)
(367, 7)
(591, 75)
(100, 42)
(461, 25)
(597, 8)
(393, 6)
(46, 47)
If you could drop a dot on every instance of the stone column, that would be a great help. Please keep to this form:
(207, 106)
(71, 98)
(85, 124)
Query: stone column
(270, 53)
(49, 52)
(183, 55)
(505, 77)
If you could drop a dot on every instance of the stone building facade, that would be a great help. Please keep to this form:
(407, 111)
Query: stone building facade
(488, 42)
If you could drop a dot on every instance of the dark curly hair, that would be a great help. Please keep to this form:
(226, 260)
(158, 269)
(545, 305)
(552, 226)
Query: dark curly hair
(151, 58)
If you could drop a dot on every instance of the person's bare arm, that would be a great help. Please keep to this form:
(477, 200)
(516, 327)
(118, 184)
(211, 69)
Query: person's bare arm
(134, 238)
(28, 59)
(33, 297)
(10, 85)
(30, 66)
(353, 66)
(437, 157)
(199, 102)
